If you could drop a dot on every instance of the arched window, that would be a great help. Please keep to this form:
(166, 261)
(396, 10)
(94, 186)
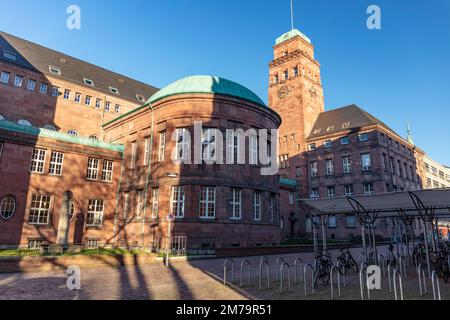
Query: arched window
(73, 133)
(94, 138)
(2, 117)
(50, 127)
(24, 122)
(7, 207)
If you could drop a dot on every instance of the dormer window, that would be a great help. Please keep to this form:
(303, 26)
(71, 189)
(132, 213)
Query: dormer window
(73, 133)
(89, 82)
(140, 98)
(54, 70)
(346, 125)
(9, 55)
(330, 128)
(317, 131)
(114, 90)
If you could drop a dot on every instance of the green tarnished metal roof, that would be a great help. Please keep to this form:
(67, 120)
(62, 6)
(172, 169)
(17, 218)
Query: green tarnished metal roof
(55, 135)
(291, 34)
(288, 182)
(207, 84)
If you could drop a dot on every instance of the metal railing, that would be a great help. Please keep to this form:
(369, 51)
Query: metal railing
(265, 263)
(341, 265)
(277, 275)
(298, 262)
(394, 278)
(382, 263)
(285, 267)
(389, 275)
(361, 285)
(225, 268)
(436, 287)
(422, 280)
(310, 267)
(402, 265)
(243, 264)
(333, 269)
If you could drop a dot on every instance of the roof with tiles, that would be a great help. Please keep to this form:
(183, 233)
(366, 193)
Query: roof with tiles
(37, 58)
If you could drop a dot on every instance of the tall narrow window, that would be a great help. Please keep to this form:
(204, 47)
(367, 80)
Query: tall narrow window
(98, 103)
(329, 166)
(40, 209)
(162, 146)
(37, 161)
(207, 202)
(88, 100)
(139, 203)
(209, 144)
(107, 171)
(348, 189)
(66, 94)
(126, 204)
(78, 97)
(117, 108)
(177, 199)
(56, 163)
(43, 88)
(133, 155)
(253, 150)
(31, 84)
(235, 204)
(92, 169)
(182, 144)
(331, 192)
(5, 77)
(366, 162)
(233, 146)
(147, 151)
(107, 106)
(55, 92)
(257, 206)
(368, 189)
(18, 80)
(95, 213)
(272, 209)
(314, 170)
(347, 164)
(155, 203)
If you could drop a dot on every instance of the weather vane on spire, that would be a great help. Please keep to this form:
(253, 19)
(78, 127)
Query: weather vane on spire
(292, 14)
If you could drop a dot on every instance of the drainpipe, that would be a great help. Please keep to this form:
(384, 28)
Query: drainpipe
(116, 214)
(149, 171)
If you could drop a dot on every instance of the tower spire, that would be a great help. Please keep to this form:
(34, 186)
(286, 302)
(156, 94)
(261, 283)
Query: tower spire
(292, 14)
(409, 137)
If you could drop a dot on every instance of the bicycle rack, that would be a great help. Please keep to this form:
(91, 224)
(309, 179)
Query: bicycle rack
(382, 263)
(276, 268)
(310, 267)
(389, 276)
(283, 268)
(246, 262)
(395, 283)
(344, 272)
(297, 262)
(422, 280)
(334, 268)
(263, 258)
(225, 271)
(402, 265)
(361, 282)
(362, 257)
(435, 283)
(264, 263)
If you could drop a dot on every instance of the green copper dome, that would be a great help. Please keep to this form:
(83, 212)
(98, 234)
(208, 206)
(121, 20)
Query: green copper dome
(291, 34)
(206, 84)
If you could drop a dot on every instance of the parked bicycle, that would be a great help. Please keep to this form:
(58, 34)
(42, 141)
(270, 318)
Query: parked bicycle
(441, 265)
(323, 267)
(391, 256)
(419, 256)
(346, 260)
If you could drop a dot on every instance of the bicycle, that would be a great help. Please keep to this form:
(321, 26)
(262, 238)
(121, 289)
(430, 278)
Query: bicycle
(391, 256)
(346, 260)
(441, 265)
(322, 268)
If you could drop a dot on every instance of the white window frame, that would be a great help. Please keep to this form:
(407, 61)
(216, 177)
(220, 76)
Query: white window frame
(368, 191)
(257, 206)
(54, 70)
(98, 103)
(40, 215)
(67, 94)
(366, 162)
(77, 97)
(37, 164)
(95, 213)
(92, 169)
(253, 141)
(18, 80)
(182, 146)
(331, 192)
(236, 204)
(87, 100)
(177, 199)
(73, 133)
(348, 190)
(329, 165)
(207, 201)
(31, 85)
(328, 144)
(314, 169)
(107, 170)
(162, 146)
(107, 106)
(56, 163)
(363, 137)
(117, 108)
(345, 140)
(155, 203)
(233, 147)
(126, 205)
(43, 88)
(5, 76)
(209, 144)
(88, 82)
(139, 203)
(347, 165)
(134, 146)
(55, 91)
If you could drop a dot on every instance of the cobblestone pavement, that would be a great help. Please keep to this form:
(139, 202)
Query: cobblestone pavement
(153, 281)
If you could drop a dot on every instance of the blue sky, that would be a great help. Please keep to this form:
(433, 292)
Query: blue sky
(398, 73)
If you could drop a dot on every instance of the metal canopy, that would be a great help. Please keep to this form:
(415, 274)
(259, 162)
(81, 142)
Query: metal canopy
(395, 204)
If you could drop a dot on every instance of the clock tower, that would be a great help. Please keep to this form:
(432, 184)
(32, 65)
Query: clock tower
(295, 93)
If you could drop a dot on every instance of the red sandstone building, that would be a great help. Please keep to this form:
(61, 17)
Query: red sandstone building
(100, 171)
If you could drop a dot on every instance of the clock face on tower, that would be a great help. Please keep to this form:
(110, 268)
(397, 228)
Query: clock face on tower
(283, 92)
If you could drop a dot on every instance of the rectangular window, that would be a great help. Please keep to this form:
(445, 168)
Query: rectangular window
(368, 189)
(348, 189)
(78, 97)
(43, 88)
(37, 161)
(257, 206)
(298, 171)
(9, 55)
(55, 92)
(40, 209)
(5, 77)
(35, 245)
(345, 140)
(235, 204)
(126, 204)
(182, 144)
(314, 169)
(209, 144)
(315, 193)
(92, 169)
(18, 81)
(117, 108)
(366, 162)
(286, 75)
(291, 198)
(56, 163)
(331, 191)
(98, 103)
(233, 147)
(332, 222)
(273, 207)
(87, 101)
(133, 155)
(253, 150)
(162, 146)
(327, 144)
(312, 146)
(107, 106)
(177, 199)
(329, 166)
(139, 203)
(95, 213)
(350, 222)
(155, 203)
(295, 72)
(284, 161)
(107, 171)
(146, 151)
(207, 202)
(31, 84)
(54, 70)
(363, 137)
(67, 94)
(347, 164)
